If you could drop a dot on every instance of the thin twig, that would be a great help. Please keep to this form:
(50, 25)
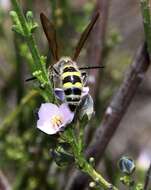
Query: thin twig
(4, 126)
(147, 178)
(4, 185)
(145, 8)
(37, 58)
(114, 113)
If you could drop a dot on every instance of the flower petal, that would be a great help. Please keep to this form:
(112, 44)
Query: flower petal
(66, 113)
(47, 110)
(47, 127)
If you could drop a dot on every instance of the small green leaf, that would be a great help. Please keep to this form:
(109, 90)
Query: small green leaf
(17, 29)
(139, 186)
(61, 156)
(17, 25)
(34, 27)
(127, 181)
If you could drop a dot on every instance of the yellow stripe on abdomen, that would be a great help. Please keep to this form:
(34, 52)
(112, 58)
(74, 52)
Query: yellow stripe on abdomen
(71, 85)
(76, 73)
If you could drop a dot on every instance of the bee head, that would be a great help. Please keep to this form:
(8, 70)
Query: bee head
(66, 62)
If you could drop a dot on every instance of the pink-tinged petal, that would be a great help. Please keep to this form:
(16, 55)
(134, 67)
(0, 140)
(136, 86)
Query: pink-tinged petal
(47, 110)
(85, 91)
(59, 93)
(47, 127)
(66, 113)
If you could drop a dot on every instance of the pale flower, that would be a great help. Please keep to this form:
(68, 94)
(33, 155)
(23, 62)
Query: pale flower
(144, 159)
(52, 118)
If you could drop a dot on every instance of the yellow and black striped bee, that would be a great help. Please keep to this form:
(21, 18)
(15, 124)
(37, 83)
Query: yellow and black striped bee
(72, 78)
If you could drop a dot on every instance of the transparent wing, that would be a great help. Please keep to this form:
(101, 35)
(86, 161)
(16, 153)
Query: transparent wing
(84, 36)
(50, 33)
(59, 93)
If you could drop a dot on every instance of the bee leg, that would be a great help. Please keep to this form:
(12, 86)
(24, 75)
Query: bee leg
(56, 72)
(84, 77)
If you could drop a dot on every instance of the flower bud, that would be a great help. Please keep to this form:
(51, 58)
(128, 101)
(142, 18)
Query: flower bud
(92, 184)
(126, 165)
(92, 161)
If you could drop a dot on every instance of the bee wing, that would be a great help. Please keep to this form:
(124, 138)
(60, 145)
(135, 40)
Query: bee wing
(50, 33)
(86, 107)
(85, 91)
(59, 93)
(84, 36)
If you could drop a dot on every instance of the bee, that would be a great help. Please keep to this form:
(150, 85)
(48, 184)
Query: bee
(72, 78)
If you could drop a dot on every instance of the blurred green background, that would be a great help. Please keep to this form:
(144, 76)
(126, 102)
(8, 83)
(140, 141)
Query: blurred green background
(25, 162)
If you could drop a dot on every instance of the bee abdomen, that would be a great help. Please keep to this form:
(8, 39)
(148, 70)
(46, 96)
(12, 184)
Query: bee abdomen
(73, 100)
(72, 107)
(75, 91)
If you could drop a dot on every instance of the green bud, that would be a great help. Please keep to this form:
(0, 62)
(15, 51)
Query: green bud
(13, 14)
(15, 18)
(37, 73)
(29, 15)
(61, 156)
(139, 186)
(97, 180)
(17, 25)
(92, 184)
(34, 27)
(126, 180)
(43, 59)
(17, 29)
(92, 161)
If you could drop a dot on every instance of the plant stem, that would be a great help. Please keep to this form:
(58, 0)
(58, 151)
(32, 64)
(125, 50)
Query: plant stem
(29, 37)
(147, 178)
(12, 116)
(30, 40)
(32, 46)
(145, 8)
(86, 167)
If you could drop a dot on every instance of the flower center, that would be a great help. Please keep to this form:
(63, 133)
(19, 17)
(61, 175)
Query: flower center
(56, 120)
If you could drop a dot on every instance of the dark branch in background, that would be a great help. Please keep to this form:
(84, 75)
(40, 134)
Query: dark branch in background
(119, 103)
(95, 56)
(114, 114)
(147, 178)
(97, 42)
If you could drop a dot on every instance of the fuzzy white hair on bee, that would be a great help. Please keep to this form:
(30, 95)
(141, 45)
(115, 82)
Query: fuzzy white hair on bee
(65, 62)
